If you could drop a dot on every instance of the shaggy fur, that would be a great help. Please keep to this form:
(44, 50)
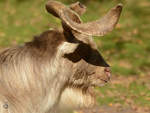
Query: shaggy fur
(30, 75)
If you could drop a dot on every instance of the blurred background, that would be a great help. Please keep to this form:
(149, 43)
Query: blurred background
(127, 48)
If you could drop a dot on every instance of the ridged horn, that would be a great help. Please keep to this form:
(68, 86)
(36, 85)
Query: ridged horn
(54, 7)
(79, 8)
(96, 28)
(74, 10)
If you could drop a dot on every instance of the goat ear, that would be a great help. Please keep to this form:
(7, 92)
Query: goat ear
(97, 28)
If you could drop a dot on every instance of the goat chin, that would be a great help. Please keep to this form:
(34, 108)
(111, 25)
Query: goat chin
(74, 98)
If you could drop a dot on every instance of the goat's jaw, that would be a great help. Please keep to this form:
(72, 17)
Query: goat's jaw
(75, 98)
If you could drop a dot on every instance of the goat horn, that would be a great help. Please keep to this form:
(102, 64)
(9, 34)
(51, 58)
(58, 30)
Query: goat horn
(74, 10)
(55, 7)
(96, 28)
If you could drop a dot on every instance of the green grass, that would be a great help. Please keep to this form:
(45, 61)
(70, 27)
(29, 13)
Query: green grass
(135, 93)
(127, 48)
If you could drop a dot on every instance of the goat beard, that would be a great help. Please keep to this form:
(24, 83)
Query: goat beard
(76, 98)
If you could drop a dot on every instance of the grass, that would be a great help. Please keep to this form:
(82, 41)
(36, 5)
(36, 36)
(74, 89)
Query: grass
(127, 48)
(132, 94)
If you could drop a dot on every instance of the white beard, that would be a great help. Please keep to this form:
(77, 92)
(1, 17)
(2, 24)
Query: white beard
(73, 98)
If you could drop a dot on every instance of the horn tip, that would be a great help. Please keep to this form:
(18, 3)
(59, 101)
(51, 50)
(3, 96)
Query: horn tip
(47, 5)
(119, 6)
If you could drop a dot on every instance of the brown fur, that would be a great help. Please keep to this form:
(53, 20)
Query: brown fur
(45, 44)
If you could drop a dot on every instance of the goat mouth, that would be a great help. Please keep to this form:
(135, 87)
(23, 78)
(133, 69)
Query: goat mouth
(104, 82)
(89, 88)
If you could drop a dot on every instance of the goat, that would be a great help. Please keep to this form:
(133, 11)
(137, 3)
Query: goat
(57, 70)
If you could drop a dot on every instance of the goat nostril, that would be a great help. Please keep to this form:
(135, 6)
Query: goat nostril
(107, 69)
(107, 72)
